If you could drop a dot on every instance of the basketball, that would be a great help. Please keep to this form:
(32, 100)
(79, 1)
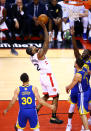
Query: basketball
(43, 18)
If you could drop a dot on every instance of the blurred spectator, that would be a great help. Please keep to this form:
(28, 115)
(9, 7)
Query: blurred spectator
(35, 9)
(20, 23)
(55, 19)
(10, 1)
(26, 1)
(3, 26)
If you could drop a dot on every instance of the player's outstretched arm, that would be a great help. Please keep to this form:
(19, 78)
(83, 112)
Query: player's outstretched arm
(41, 101)
(76, 79)
(12, 102)
(44, 49)
(76, 50)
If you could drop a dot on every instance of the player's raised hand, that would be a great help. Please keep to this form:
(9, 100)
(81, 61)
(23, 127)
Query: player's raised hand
(42, 24)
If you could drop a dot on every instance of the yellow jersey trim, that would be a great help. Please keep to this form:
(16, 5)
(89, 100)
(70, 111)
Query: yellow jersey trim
(17, 125)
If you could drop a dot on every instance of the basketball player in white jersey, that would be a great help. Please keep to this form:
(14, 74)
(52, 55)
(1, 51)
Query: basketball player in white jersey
(4, 28)
(47, 80)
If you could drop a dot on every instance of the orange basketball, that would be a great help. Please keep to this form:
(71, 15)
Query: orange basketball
(43, 18)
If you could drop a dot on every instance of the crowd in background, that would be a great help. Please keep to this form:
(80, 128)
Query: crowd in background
(22, 17)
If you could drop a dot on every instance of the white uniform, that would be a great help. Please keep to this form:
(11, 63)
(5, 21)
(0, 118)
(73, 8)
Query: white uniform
(3, 26)
(64, 8)
(47, 80)
(89, 17)
(89, 20)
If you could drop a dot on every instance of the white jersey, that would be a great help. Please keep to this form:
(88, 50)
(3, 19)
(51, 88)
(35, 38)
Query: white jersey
(89, 17)
(3, 26)
(64, 8)
(41, 65)
(47, 80)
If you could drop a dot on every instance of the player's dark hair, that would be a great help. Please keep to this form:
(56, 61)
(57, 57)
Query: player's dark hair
(24, 77)
(29, 51)
(79, 62)
(86, 56)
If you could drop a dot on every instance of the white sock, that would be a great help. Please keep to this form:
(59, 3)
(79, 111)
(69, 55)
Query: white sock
(36, 129)
(69, 121)
(89, 33)
(20, 129)
(59, 33)
(84, 30)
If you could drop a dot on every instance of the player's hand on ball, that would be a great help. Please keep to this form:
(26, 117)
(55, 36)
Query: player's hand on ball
(43, 18)
(42, 24)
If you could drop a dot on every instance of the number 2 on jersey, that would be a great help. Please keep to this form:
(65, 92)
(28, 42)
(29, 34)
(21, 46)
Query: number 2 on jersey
(37, 66)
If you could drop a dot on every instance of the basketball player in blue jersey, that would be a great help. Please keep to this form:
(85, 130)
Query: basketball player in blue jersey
(85, 57)
(80, 80)
(26, 96)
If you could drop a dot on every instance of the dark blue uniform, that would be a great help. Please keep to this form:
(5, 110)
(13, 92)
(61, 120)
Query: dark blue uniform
(80, 93)
(27, 106)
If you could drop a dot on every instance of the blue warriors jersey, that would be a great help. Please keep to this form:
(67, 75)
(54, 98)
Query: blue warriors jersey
(87, 66)
(26, 97)
(84, 84)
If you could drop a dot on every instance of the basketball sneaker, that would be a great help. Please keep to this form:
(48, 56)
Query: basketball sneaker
(13, 51)
(56, 121)
(67, 35)
(82, 129)
(69, 127)
(59, 37)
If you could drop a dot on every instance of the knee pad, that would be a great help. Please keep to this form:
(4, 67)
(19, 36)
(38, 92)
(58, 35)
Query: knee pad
(71, 109)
